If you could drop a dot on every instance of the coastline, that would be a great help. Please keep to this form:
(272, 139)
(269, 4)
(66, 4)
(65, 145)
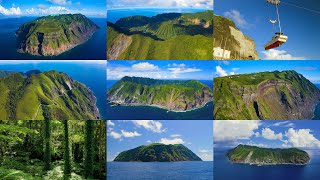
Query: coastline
(268, 164)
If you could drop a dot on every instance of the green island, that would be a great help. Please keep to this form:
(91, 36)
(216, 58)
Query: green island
(164, 36)
(51, 149)
(173, 95)
(54, 34)
(52, 95)
(158, 152)
(267, 156)
(228, 36)
(265, 95)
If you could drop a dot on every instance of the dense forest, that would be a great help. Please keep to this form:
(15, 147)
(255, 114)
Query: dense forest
(52, 149)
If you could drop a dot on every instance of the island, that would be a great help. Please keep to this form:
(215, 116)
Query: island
(164, 36)
(267, 156)
(54, 34)
(158, 152)
(51, 95)
(266, 95)
(173, 95)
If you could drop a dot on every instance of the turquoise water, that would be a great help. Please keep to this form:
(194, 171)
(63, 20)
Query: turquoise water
(92, 75)
(94, 48)
(154, 113)
(160, 170)
(228, 171)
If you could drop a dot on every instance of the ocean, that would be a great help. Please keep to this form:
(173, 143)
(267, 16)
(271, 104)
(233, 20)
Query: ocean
(228, 171)
(154, 113)
(90, 74)
(202, 170)
(114, 15)
(94, 48)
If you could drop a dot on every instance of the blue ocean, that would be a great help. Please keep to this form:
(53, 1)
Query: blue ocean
(116, 14)
(90, 74)
(154, 113)
(94, 48)
(228, 171)
(160, 170)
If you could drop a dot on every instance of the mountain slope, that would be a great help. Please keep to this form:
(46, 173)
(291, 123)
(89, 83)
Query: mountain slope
(168, 94)
(157, 152)
(48, 95)
(53, 35)
(267, 156)
(164, 36)
(240, 45)
(267, 95)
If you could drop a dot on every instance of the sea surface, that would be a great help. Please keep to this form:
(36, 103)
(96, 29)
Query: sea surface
(154, 113)
(94, 48)
(116, 14)
(225, 170)
(160, 170)
(92, 75)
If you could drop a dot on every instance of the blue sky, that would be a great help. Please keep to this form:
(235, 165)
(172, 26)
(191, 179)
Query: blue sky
(301, 26)
(309, 69)
(272, 134)
(91, 8)
(124, 135)
(203, 4)
(197, 70)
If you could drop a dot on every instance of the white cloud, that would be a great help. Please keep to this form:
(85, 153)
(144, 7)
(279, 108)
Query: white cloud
(301, 138)
(274, 54)
(237, 17)
(52, 10)
(144, 66)
(30, 11)
(115, 135)
(257, 134)
(206, 156)
(220, 72)
(234, 130)
(151, 125)
(267, 133)
(59, 2)
(149, 141)
(232, 73)
(283, 124)
(41, 6)
(175, 135)
(11, 11)
(171, 141)
(203, 151)
(110, 123)
(129, 134)
(256, 144)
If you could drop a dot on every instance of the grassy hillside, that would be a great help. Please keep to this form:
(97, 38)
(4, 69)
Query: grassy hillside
(158, 152)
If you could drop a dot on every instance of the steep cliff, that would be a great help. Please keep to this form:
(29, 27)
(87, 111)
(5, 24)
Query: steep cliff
(267, 156)
(49, 95)
(53, 35)
(226, 34)
(267, 95)
(157, 152)
(168, 94)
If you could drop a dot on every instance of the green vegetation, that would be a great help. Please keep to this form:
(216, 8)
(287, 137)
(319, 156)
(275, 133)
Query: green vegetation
(49, 95)
(266, 95)
(164, 36)
(264, 156)
(169, 94)
(51, 149)
(54, 34)
(158, 152)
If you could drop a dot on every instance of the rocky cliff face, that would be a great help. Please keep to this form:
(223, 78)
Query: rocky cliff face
(171, 95)
(226, 34)
(48, 95)
(158, 153)
(270, 95)
(53, 35)
(267, 156)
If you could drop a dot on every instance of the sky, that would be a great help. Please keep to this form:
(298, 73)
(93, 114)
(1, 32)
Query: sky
(271, 134)
(195, 70)
(300, 25)
(196, 135)
(309, 69)
(199, 4)
(90, 8)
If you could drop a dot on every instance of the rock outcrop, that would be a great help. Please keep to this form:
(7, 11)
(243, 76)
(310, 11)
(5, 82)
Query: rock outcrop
(53, 35)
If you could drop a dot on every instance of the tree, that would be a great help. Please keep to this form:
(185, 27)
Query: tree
(89, 149)
(47, 139)
(67, 165)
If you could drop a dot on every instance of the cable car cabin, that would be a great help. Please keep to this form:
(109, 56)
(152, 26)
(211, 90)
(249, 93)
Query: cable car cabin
(276, 41)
